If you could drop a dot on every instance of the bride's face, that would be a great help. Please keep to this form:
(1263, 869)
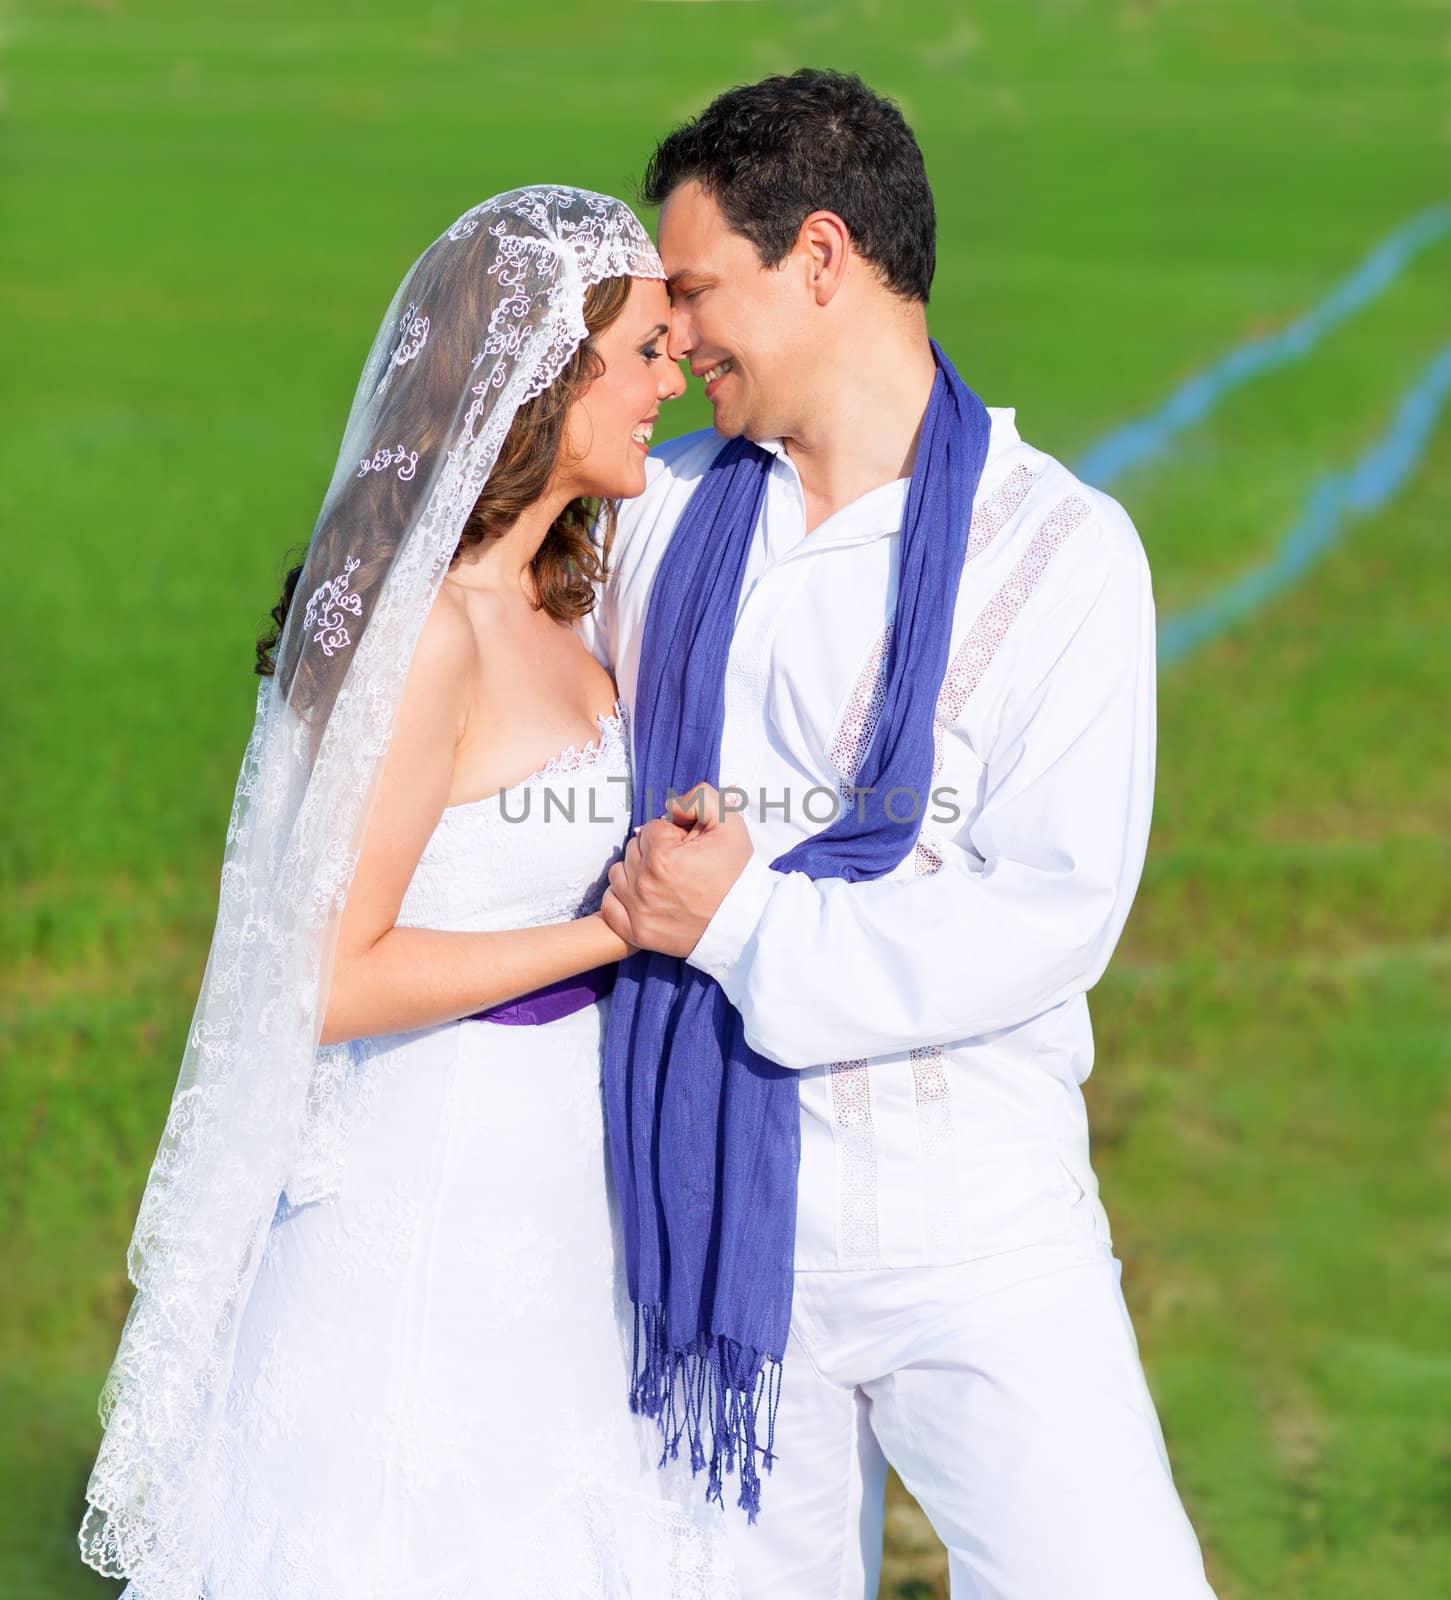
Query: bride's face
(607, 435)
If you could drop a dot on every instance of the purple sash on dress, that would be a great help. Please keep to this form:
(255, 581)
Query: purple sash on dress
(553, 1001)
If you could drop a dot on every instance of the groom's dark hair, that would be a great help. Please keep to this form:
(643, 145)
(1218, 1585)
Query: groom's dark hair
(771, 153)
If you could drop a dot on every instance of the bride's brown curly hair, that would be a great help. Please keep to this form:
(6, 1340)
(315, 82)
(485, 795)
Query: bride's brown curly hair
(568, 567)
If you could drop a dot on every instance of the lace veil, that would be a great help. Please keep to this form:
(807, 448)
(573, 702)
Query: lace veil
(485, 319)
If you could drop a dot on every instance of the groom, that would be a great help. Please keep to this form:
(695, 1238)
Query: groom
(913, 658)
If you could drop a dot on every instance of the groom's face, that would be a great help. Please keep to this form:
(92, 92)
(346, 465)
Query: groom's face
(737, 323)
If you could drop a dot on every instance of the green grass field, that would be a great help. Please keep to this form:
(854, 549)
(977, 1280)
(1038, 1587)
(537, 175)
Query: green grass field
(205, 210)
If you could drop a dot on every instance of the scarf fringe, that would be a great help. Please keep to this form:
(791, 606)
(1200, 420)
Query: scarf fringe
(709, 1395)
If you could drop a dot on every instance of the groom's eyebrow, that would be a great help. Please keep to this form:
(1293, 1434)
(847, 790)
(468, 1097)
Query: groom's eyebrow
(684, 276)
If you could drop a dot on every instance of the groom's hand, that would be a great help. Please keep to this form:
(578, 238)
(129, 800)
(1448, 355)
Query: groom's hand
(675, 873)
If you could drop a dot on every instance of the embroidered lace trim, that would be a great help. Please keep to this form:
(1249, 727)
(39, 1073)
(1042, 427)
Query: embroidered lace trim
(614, 731)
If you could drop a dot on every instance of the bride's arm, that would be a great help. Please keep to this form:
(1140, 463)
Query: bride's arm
(388, 979)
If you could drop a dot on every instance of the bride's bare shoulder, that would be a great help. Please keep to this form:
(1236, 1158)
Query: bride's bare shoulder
(447, 653)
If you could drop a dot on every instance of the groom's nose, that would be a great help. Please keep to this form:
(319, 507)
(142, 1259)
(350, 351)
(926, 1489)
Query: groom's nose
(681, 340)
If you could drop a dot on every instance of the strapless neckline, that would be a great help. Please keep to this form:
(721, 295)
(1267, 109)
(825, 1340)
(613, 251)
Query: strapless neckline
(573, 758)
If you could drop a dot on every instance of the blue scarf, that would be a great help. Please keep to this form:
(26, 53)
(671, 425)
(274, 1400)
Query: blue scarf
(704, 1132)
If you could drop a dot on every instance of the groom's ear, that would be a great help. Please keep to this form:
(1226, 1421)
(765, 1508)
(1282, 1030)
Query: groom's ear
(824, 243)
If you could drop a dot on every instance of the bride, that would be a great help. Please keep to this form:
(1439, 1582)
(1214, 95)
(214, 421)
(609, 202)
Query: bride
(376, 1346)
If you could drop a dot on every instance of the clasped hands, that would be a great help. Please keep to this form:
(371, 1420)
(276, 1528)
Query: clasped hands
(675, 873)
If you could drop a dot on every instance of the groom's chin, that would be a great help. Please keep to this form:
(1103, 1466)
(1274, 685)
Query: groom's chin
(727, 423)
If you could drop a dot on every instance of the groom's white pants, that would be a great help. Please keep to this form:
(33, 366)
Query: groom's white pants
(1007, 1393)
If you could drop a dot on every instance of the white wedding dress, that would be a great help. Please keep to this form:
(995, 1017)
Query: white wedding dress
(429, 1397)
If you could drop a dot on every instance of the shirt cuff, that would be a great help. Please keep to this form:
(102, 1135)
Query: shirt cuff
(720, 947)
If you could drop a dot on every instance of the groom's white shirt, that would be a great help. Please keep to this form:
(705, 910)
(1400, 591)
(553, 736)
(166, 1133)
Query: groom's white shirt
(938, 1016)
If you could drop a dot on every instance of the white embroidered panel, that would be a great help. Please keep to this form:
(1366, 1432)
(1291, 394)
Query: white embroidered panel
(975, 654)
(851, 1105)
(993, 513)
(932, 1101)
(926, 859)
(859, 722)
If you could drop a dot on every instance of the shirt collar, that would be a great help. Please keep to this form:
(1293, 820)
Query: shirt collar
(879, 510)
(1003, 433)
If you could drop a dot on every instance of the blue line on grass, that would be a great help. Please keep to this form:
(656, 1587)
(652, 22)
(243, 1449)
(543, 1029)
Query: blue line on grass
(1136, 442)
(1365, 487)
